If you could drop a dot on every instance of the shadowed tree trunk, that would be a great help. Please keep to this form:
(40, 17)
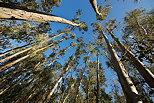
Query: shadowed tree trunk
(8, 11)
(145, 72)
(94, 5)
(129, 89)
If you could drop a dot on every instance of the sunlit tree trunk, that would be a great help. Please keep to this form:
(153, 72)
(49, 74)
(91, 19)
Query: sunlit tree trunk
(27, 49)
(145, 72)
(129, 89)
(66, 68)
(64, 101)
(25, 57)
(16, 54)
(9, 51)
(12, 12)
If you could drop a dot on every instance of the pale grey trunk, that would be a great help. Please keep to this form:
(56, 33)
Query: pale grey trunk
(9, 12)
(23, 51)
(97, 73)
(128, 87)
(95, 7)
(54, 88)
(16, 54)
(145, 72)
(56, 85)
(25, 57)
(12, 50)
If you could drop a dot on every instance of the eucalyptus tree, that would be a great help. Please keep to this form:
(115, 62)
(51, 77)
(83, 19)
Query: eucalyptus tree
(139, 82)
(35, 83)
(29, 48)
(71, 63)
(97, 45)
(8, 11)
(8, 65)
(139, 29)
(130, 91)
(144, 71)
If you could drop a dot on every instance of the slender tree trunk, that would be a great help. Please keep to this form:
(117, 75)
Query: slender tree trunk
(65, 98)
(66, 68)
(25, 57)
(7, 52)
(8, 11)
(97, 72)
(54, 88)
(145, 72)
(10, 86)
(16, 54)
(56, 85)
(27, 49)
(78, 87)
(129, 89)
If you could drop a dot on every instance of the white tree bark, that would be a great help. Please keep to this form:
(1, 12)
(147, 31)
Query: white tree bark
(8, 12)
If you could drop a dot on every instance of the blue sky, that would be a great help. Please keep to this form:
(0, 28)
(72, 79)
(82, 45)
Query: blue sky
(68, 10)
(119, 8)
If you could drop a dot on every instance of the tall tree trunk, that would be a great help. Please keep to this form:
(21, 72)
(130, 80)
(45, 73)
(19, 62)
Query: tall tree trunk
(97, 73)
(129, 89)
(11, 50)
(54, 88)
(78, 86)
(8, 11)
(145, 72)
(28, 49)
(16, 54)
(64, 101)
(25, 57)
(66, 68)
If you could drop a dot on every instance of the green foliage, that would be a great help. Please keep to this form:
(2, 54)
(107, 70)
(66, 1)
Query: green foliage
(139, 32)
(104, 12)
(64, 55)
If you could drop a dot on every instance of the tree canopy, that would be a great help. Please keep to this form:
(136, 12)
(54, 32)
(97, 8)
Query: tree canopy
(97, 59)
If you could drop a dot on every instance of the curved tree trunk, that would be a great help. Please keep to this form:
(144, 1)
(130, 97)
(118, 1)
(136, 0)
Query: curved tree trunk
(94, 5)
(145, 72)
(128, 87)
(8, 11)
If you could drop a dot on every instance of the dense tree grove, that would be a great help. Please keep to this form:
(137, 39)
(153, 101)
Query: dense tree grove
(38, 65)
